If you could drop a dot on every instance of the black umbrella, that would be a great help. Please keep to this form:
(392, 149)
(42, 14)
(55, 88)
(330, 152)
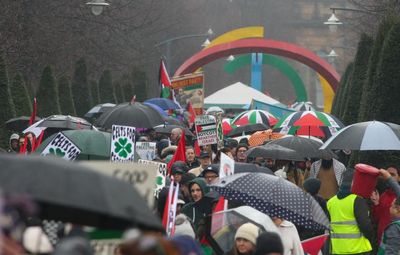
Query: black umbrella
(248, 129)
(305, 147)
(19, 124)
(70, 192)
(172, 121)
(98, 110)
(166, 129)
(64, 122)
(132, 114)
(275, 197)
(274, 151)
(363, 136)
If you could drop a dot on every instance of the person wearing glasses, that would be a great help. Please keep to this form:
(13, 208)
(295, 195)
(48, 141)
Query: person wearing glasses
(211, 174)
(241, 153)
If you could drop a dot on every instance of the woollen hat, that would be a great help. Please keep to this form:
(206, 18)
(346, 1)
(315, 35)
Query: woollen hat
(312, 185)
(248, 231)
(269, 242)
(183, 227)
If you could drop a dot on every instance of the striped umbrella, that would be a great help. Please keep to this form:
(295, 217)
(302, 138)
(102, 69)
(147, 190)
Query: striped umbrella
(303, 106)
(311, 123)
(364, 136)
(253, 117)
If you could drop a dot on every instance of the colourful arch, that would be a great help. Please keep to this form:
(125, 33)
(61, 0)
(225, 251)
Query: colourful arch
(328, 93)
(279, 64)
(238, 34)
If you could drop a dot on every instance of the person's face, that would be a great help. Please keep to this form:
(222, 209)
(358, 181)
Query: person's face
(210, 177)
(178, 177)
(394, 210)
(21, 141)
(190, 155)
(269, 163)
(393, 173)
(308, 164)
(195, 192)
(277, 221)
(244, 246)
(205, 162)
(14, 144)
(241, 154)
(174, 136)
(229, 154)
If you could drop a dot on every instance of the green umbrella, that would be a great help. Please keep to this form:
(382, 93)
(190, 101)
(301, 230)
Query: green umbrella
(94, 145)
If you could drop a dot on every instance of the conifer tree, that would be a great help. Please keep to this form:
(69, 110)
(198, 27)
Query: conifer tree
(106, 89)
(7, 110)
(80, 88)
(337, 101)
(354, 94)
(94, 88)
(19, 94)
(47, 94)
(139, 84)
(65, 96)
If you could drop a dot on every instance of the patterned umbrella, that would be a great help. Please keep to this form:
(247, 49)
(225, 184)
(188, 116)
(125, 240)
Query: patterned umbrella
(275, 197)
(312, 123)
(247, 129)
(253, 117)
(303, 106)
(226, 126)
(260, 137)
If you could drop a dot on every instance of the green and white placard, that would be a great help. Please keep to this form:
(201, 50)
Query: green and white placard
(123, 143)
(62, 147)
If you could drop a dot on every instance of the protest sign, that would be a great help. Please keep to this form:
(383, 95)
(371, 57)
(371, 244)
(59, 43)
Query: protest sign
(146, 150)
(161, 174)
(226, 166)
(62, 147)
(141, 177)
(206, 130)
(123, 143)
(189, 88)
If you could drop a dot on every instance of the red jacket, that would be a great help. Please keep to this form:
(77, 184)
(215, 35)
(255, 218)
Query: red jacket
(381, 213)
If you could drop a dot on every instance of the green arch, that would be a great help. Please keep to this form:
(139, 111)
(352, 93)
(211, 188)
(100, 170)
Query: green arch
(279, 64)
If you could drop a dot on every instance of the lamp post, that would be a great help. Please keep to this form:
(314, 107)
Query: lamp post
(169, 41)
(333, 21)
(97, 6)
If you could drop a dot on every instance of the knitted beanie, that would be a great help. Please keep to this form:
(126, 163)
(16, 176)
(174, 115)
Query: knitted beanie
(269, 242)
(248, 231)
(312, 185)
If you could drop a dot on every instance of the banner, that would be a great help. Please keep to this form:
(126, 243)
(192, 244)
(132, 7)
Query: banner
(141, 177)
(206, 130)
(189, 88)
(161, 174)
(123, 143)
(146, 150)
(62, 147)
(226, 166)
(277, 110)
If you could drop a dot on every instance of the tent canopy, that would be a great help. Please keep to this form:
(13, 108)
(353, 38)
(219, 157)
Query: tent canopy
(237, 96)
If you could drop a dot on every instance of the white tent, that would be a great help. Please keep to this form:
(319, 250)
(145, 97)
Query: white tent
(237, 96)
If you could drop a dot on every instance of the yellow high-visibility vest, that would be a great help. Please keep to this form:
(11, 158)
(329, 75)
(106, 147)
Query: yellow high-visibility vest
(346, 237)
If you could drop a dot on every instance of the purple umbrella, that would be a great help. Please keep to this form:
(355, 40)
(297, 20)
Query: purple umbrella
(164, 103)
(157, 108)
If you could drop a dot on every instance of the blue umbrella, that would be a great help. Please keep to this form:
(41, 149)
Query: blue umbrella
(157, 108)
(164, 103)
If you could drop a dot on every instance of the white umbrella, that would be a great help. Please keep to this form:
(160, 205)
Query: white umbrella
(364, 136)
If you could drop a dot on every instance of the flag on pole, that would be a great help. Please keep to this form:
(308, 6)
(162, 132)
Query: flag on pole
(169, 215)
(313, 245)
(30, 146)
(165, 84)
(192, 113)
(180, 154)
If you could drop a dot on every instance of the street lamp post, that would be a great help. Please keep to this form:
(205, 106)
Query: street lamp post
(333, 21)
(97, 6)
(169, 41)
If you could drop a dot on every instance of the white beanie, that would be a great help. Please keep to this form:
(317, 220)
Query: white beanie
(248, 231)
(183, 226)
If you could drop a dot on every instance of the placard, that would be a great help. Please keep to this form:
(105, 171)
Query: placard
(62, 147)
(161, 174)
(146, 150)
(190, 88)
(206, 130)
(123, 143)
(226, 166)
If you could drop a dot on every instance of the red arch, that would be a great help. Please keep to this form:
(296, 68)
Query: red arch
(261, 45)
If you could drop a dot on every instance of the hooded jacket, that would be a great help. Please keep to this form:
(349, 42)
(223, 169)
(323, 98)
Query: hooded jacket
(198, 210)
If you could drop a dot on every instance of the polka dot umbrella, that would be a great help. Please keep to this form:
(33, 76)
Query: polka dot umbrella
(275, 197)
(253, 117)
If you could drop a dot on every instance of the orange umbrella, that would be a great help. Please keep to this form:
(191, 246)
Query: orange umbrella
(260, 137)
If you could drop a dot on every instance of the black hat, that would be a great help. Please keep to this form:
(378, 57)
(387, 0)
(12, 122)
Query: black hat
(204, 154)
(186, 178)
(240, 145)
(179, 167)
(268, 242)
(211, 168)
(312, 185)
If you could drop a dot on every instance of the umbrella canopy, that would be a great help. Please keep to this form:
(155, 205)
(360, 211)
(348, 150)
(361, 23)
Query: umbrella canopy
(312, 123)
(98, 110)
(253, 117)
(305, 147)
(260, 137)
(224, 225)
(275, 197)
(169, 120)
(19, 124)
(214, 109)
(363, 136)
(274, 151)
(132, 114)
(94, 145)
(65, 122)
(70, 192)
(163, 103)
(303, 106)
(158, 109)
(247, 129)
(226, 125)
(166, 129)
